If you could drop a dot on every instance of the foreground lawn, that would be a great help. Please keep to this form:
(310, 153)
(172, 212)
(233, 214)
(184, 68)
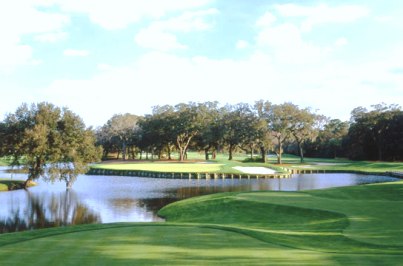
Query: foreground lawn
(358, 225)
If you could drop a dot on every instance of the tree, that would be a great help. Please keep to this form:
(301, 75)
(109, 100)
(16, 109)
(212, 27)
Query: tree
(49, 142)
(303, 128)
(210, 135)
(368, 136)
(264, 136)
(187, 123)
(237, 123)
(123, 127)
(280, 124)
(76, 149)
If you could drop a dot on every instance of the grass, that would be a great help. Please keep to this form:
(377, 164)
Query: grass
(342, 165)
(197, 163)
(358, 225)
(9, 184)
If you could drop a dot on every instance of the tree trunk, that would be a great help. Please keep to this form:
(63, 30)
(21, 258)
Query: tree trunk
(280, 148)
(169, 152)
(206, 155)
(141, 155)
(214, 155)
(117, 157)
(181, 154)
(27, 183)
(133, 153)
(301, 152)
(263, 154)
(69, 184)
(231, 147)
(124, 150)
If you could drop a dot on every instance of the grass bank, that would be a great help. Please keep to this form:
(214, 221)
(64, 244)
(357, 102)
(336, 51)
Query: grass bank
(10, 184)
(196, 164)
(358, 225)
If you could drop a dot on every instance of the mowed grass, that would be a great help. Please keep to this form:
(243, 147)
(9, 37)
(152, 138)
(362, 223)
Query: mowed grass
(358, 225)
(7, 184)
(194, 164)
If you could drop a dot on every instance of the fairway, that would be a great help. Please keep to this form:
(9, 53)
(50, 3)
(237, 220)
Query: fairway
(350, 225)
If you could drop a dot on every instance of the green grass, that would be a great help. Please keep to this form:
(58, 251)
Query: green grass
(10, 184)
(196, 164)
(358, 225)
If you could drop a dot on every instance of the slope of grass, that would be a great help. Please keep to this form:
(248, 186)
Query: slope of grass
(358, 225)
(8, 184)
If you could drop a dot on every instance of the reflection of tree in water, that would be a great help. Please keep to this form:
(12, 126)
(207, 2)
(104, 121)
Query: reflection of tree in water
(42, 212)
(155, 204)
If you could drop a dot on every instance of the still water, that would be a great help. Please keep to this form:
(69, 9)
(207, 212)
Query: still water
(106, 199)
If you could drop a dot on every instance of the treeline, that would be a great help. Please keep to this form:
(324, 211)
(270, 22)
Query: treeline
(262, 128)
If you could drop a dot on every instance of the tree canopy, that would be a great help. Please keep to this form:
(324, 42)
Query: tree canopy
(48, 142)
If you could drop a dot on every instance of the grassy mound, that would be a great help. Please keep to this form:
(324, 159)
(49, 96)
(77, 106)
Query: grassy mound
(9, 184)
(358, 225)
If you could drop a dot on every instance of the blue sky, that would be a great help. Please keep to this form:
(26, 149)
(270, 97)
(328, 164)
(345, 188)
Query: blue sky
(101, 57)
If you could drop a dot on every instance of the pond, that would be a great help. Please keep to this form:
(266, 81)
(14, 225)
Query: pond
(106, 199)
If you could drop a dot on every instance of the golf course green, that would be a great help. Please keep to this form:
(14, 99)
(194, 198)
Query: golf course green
(359, 225)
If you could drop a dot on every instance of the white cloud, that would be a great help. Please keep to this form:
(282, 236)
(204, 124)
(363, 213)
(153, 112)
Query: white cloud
(20, 18)
(160, 35)
(51, 37)
(119, 14)
(242, 44)
(321, 14)
(188, 21)
(158, 40)
(73, 52)
(266, 20)
(341, 41)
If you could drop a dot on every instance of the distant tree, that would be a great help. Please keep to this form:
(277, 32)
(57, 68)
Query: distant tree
(303, 128)
(187, 123)
(329, 143)
(280, 124)
(236, 126)
(122, 126)
(76, 149)
(157, 132)
(264, 139)
(49, 142)
(210, 134)
(368, 136)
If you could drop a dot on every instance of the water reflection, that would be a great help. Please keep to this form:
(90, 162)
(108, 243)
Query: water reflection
(106, 199)
(42, 212)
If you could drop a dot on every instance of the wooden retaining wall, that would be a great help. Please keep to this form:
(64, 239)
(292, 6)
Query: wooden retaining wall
(303, 171)
(138, 173)
(97, 171)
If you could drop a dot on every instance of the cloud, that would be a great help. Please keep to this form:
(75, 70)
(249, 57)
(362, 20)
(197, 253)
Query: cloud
(266, 20)
(118, 14)
(242, 44)
(158, 40)
(18, 19)
(161, 35)
(341, 41)
(73, 52)
(51, 37)
(322, 14)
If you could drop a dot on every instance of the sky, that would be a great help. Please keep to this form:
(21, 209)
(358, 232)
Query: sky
(106, 57)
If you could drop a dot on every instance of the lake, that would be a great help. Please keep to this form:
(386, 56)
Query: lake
(106, 199)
